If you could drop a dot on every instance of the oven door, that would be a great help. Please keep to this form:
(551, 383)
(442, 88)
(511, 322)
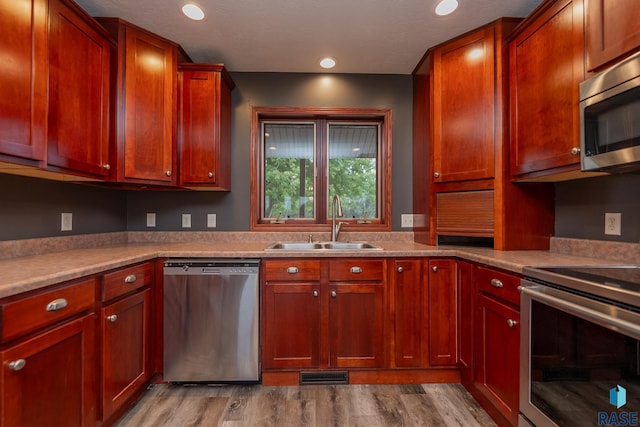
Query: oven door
(579, 360)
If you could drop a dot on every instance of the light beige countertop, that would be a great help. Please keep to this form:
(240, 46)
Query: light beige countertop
(26, 273)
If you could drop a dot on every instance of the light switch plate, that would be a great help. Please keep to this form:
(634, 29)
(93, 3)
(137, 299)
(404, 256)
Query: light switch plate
(151, 219)
(407, 220)
(211, 220)
(186, 220)
(66, 221)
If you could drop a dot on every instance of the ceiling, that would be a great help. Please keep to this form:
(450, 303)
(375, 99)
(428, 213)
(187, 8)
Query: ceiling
(364, 36)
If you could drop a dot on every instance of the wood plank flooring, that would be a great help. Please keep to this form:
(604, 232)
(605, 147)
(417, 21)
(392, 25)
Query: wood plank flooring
(310, 405)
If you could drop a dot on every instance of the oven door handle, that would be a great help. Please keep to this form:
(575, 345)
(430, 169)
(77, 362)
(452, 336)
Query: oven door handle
(603, 314)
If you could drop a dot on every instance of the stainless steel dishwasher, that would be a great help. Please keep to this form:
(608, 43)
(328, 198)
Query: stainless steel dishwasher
(211, 320)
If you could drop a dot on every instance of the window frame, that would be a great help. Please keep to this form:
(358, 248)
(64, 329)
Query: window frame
(322, 117)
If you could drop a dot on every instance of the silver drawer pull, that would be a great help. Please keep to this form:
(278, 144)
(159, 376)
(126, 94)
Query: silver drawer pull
(435, 268)
(57, 304)
(511, 323)
(292, 270)
(130, 278)
(17, 365)
(400, 269)
(315, 293)
(496, 283)
(334, 294)
(112, 318)
(356, 270)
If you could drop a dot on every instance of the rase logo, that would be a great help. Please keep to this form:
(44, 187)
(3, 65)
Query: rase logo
(618, 398)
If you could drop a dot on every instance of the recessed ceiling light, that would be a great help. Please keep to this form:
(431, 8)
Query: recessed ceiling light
(446, 7)
(193, 11)
(327, 63)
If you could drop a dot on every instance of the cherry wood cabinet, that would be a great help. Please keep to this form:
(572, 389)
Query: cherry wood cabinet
(145, 72)
(612, 31)
(47, 356)
(544, 98)
(463, 124)
(204, 134)
(442, 309)
(125, 330)
(23, 80)
(322, 314)
(408, 302)
(497, 341)
(79, 75)
(466, 306)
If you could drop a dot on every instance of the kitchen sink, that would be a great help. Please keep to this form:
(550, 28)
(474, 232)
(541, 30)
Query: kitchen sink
(331, 246)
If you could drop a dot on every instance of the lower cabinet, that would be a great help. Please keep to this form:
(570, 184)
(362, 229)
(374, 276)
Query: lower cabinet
(408, 301)
(442, 312)
(314, 323)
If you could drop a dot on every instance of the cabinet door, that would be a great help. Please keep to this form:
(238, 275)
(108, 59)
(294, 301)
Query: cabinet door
(408, 303)
(291, 325)
(23, 78)
(498, 355)
(78, 133)
(49, 380)
(205, 128)
(149, 111)
(466, 296)
(611, 30)
(544, 97)
(463, 108)
(355, 325)
(125, 347)
(442, 312)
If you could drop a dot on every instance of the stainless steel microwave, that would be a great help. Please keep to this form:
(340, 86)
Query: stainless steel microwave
(610, 118)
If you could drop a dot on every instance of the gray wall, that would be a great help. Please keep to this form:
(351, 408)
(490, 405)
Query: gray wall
(31, 208)
(581, 205)
(290, 90)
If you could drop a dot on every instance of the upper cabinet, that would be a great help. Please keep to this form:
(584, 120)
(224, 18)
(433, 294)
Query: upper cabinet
(23, 79)
(463, 124)
(612, 30)
(79, 54)
(145, 69)
(204, 135)
(544, 96)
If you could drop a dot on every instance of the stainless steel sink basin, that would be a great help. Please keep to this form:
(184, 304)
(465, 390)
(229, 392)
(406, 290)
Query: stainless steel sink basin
(331, 246)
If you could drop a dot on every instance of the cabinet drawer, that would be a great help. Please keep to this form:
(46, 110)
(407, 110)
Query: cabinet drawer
(498, 284)
(355, 270)
(126, 280)
(293, 270)
(31, 313)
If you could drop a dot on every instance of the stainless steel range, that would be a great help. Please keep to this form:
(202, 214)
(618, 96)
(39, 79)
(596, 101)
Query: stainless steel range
(579, 350)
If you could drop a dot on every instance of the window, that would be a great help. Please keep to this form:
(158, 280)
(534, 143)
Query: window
(303, 157)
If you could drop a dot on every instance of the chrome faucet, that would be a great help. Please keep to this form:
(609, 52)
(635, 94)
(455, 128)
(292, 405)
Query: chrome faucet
(335, 228)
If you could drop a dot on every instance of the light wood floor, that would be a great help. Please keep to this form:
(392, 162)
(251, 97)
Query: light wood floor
(309, 405)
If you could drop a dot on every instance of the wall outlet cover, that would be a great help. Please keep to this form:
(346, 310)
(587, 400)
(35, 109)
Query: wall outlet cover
(407, 220)
(151, 219)
(186, 220)
(612, 224)
(66, 221)
(211, 220)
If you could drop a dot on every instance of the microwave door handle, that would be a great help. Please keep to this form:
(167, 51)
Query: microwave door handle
(591, 310)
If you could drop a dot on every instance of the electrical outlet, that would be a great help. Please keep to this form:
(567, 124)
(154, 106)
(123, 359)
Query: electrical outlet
(151, 219)
(612, 223)
(407, 220)
(186, 220)
(211, 221)
(66, 221)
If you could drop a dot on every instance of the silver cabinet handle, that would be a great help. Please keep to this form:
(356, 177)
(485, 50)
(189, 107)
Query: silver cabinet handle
(436, 174)
(435, 268)
(17, 365)
(57, 304)
(356, 270)
(130, 278)
(334, 294)
(112, 318)
(107, 166)
(292, 270)
(511, 323)
(575, 151)
(168, 173)
(315, 293)
(400, 269)
(496, 283)
(210, 174)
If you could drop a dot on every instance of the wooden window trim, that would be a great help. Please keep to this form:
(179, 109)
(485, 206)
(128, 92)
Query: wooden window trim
(298, 113)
